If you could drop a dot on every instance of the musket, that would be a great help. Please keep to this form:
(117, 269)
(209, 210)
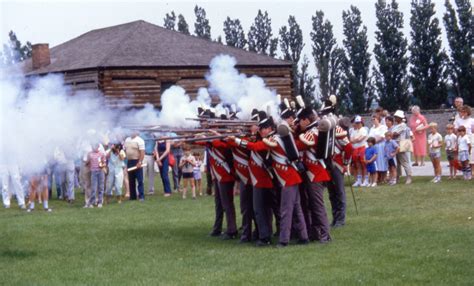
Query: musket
(188, 130)
(218, 120)
(243, 124)
(209, 138)
(179, 137)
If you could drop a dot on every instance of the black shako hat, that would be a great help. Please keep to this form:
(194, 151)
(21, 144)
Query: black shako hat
(264, 121)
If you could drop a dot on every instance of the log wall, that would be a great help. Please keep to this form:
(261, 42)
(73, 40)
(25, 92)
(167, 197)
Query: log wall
(135, 87)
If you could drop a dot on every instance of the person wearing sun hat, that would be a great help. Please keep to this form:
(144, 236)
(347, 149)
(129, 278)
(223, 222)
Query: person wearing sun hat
(358, 138)
(402, 134)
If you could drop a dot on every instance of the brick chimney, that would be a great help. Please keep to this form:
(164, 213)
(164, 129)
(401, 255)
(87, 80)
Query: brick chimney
(40, 55)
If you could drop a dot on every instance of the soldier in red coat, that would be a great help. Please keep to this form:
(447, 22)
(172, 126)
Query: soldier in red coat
(289, 179)
(337, 167)
(316, 173)
(241, 157)
(260, 177)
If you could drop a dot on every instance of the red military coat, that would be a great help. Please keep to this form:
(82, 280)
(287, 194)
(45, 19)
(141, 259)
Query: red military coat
(220, 168)
(286, 172)
(315, 168)
(241, 161)
(259, 175)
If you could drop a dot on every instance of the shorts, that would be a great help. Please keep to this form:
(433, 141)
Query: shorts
(187, 175)
(435, 155)
(391, 162)
(197, 175)
(463, 156)
(371, 168)
(450, 155)
(358, 154)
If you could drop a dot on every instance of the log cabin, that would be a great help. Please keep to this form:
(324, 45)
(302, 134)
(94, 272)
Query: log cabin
(138, 61)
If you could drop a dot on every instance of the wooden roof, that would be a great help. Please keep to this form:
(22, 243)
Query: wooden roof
(141, 44)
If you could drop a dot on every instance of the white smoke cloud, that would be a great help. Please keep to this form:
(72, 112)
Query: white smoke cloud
(39, 115)
(245, 92)
(42, 117)
(176, 107)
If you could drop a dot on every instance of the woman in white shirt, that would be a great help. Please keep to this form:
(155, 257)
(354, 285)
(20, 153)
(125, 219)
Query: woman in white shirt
(467, 121)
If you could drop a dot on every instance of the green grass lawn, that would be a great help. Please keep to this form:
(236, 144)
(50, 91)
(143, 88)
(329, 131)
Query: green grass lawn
(402, 236)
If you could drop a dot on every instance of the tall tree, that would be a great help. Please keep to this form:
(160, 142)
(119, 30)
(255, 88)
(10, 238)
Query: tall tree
(337, 66)
(291, 40)
(170, 21)
(183, 26)
(427, 59)
(234, 33)
(459, 25)
(202, 28)
(291, 45)
(358, 59)
(390, 50)
(14, 51)
(260, 35)
(304, 84)
(327, 57)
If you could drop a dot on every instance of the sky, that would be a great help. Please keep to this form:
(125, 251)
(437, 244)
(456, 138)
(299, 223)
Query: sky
(55, 22)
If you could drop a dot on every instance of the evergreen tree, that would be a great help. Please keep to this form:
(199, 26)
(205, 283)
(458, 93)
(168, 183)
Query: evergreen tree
(304, 84)
(219, 39)
(260, 35)
(358, 60)
(428, 76)
(183, 26)
(234, 33)
(202, 28)
(327, 57)
(337, 66)
(459, 26)
(291, 45)
(390, 52)
(14, 51)
(291, 40)
(273, 47)
(170, 21)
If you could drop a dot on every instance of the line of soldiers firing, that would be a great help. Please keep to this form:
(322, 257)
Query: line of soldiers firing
(282, 168)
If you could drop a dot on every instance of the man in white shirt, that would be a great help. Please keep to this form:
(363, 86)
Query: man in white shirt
(135, 149)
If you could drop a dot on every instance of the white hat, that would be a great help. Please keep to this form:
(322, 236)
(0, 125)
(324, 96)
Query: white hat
(399, 114)
(358, 119)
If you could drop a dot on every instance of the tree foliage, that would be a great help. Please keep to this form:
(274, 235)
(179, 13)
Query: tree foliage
(358, 60)
(390, 49)
(170, 21)
(202, 27)
(459, 26)
(234, 33)
(427, 59)
(260, 35)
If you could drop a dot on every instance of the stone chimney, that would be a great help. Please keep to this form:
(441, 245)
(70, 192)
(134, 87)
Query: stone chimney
(40, 56)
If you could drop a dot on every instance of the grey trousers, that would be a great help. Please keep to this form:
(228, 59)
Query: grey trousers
(337, 196)
(246, 210)
(319, 229)
(226, 191)
(262, 201)
(403, 160)
(149, 172)
(290, 202)
(85, 179)
(219, 211)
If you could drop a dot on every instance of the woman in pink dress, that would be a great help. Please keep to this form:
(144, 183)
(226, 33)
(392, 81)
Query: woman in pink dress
(418, 126)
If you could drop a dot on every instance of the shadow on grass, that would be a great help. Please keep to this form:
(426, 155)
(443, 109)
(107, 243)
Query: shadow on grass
(16, 254)
(178, 234)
